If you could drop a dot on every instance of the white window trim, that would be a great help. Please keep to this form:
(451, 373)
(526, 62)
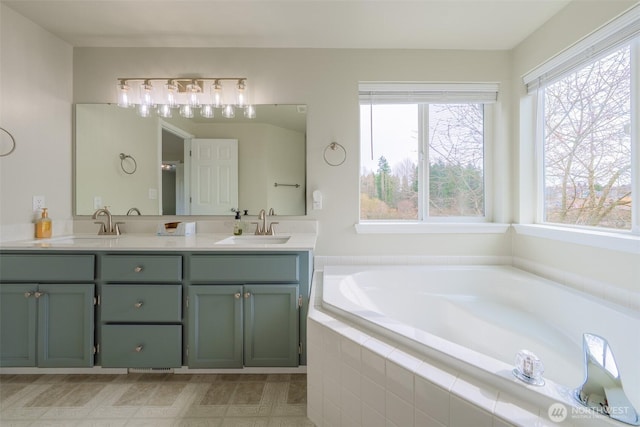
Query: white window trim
(620, 30)
(598, 238)
(481, 93)
(408, 227)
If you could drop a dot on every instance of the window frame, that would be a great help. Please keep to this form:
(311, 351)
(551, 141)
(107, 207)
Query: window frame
(635, 146)
(436, 93)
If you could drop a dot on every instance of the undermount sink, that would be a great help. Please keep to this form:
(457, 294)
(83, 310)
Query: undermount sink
(254, 240)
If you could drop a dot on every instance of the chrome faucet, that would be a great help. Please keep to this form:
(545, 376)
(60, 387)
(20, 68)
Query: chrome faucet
(133, 210)
(263, 230)
(602, 388)
(110, 228)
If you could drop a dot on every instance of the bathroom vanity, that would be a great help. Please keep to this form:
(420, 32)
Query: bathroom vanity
(155, 302)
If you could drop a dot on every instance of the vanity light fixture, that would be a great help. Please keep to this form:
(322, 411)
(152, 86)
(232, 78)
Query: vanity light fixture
(187, 94)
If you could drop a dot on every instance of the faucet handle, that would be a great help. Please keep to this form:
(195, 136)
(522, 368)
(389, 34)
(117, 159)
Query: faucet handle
(103, 228)
(116, 228)
(272, 230)
(257, 232)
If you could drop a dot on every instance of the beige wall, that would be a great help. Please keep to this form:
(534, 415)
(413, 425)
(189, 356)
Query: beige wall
(103, 134)
(35, 106)
(573, 23)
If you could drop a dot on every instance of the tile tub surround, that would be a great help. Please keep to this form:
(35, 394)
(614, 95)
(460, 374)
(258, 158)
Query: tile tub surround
(357, 378)
(154, 399)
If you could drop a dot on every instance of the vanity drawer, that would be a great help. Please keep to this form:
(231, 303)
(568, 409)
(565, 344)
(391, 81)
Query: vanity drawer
(142, 268)
(141, 346)
(245, 268)
(141, 303)
(47, 268)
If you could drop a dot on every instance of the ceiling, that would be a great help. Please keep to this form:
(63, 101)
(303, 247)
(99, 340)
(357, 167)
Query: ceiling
(413, 24)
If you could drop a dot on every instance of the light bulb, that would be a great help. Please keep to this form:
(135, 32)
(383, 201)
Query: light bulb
(216, 94)
(193, 94)
(170, 89)
(250, 111)
(241, 95)
(146, 93)
(164, 110)
(228, 111)
(144, 110)
(206, 111)
(186, 111)
(124, 100)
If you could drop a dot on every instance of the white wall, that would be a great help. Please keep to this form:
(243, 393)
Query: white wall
(616, 268)
(35, 106)
(327, 82)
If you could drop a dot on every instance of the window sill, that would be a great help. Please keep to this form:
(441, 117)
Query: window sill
(429, 228)
(595, 238)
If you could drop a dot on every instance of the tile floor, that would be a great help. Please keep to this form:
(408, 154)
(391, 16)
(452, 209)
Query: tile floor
(154, 400)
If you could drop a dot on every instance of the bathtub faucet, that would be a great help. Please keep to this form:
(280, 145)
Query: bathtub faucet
(602, 388)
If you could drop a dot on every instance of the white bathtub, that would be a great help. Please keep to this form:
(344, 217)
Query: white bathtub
(475, 319)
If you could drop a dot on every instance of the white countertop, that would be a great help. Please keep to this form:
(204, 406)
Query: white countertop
(151, 242)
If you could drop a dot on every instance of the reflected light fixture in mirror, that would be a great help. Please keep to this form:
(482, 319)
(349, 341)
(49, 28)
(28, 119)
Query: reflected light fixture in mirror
(187, 95)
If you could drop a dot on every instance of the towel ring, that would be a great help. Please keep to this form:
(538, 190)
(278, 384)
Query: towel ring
(122, 159)
(341, 154)
(13, 143)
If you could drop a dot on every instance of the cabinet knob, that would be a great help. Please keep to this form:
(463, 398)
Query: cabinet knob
(138, 269)
(28, 294)
(247, 294)
(138, 304)
(237, 295)
(139, 349)
(38, 294)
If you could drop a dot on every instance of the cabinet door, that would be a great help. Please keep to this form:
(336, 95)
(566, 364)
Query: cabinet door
(215, 326)
(65, 325)
(271, 335)
(17, 324)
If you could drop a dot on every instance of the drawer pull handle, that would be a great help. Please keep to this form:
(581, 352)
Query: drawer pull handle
(247, 294)
(138, 269)
(237, 295)
(138, 304)
(38, 294)
(28, 294)
(139, 349)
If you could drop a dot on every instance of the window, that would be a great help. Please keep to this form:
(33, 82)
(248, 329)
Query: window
(587, 144)
(588, 130)
(423, 151)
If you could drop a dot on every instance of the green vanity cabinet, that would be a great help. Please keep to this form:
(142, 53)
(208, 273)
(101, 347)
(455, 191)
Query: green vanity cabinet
(245, 309)
(215, 326)
(46, 324)
(271, 318)
(231, 326)
(18, 320)
(141, 311)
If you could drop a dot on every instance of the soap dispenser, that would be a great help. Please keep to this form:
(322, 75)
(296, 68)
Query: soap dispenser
(237, 225)
(43, 225)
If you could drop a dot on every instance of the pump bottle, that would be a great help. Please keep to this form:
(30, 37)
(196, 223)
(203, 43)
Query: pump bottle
(237, 224)
(43, 225)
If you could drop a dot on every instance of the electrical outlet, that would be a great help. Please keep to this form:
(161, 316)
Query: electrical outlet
(97, 202)
(38, 203)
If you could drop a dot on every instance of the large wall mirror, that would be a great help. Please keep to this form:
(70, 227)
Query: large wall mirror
(197, 166)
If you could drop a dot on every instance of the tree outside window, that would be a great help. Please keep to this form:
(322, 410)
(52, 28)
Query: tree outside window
(401, 141)
(587, 145)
